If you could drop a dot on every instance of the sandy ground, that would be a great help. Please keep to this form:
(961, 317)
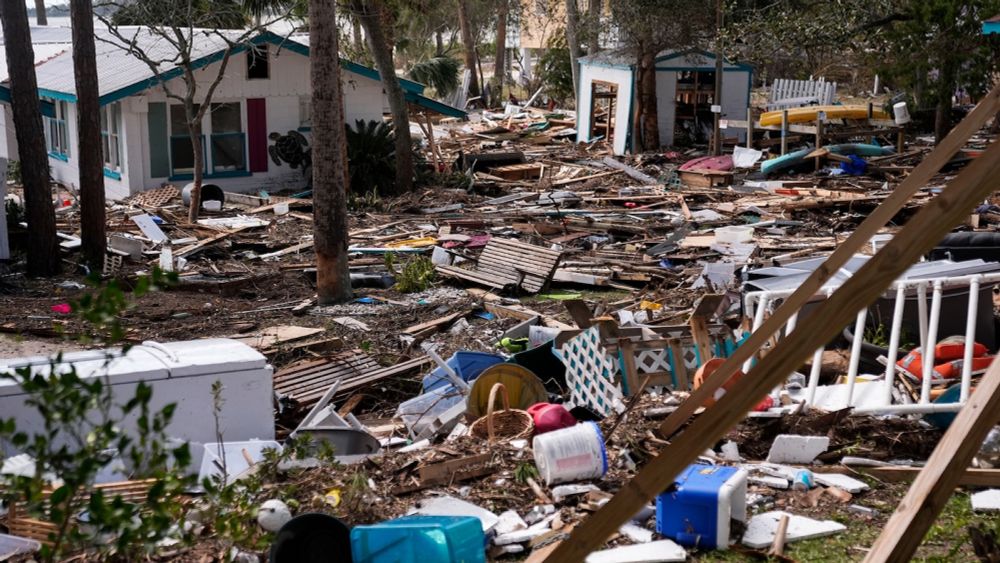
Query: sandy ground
(18, 347)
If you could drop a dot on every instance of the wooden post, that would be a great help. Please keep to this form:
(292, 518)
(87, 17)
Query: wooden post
(784, 132)
(749, 128)
(878, 218)
(702, 342)
(430, 141)
(919, 236)
(819, 139)
(627, 349)
(906, 528)
(900, 141)
(680, 371)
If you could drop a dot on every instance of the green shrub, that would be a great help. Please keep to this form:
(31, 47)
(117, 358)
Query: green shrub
(371, 155)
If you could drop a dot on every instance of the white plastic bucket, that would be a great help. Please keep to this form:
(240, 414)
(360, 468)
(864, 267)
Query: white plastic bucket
(901, 113)
(571, 454)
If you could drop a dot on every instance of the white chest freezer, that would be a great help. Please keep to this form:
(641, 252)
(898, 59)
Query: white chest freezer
(178, 372)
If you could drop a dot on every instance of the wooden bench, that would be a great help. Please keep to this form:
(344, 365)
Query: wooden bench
(509, 264)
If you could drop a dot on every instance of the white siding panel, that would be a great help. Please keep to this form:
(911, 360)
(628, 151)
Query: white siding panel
(666, 94)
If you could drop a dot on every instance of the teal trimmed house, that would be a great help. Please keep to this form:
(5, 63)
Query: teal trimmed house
(145, 143)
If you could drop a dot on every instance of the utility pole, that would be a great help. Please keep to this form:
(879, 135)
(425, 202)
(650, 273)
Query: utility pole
(717, 97)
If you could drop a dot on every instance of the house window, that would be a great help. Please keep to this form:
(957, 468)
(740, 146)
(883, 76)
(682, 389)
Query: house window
(181, 149)
(258, 67)
(305, 113)
(111, 116)
(228, 140)
(56, 133)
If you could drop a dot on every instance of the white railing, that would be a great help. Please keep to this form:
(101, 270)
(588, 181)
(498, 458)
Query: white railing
(758, 303)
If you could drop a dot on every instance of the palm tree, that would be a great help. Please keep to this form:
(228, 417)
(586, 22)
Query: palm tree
(333, 281)
(40, 16)
(43, 259)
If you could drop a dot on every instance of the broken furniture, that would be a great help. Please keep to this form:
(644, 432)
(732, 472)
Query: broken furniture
(347, 436)
(787, 94)
(182, 373)
(507, 264)
(954, 286)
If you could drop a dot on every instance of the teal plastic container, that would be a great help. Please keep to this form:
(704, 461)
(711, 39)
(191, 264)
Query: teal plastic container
(420, 539)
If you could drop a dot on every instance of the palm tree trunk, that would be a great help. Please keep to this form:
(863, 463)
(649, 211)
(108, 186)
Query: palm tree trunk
(40, 16)
(333, 281)
(573, 41)
(88, 119)
(500, 61)
(371, 14)
(469, 46)
(43, 258)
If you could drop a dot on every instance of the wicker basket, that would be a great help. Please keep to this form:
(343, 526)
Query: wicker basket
(508, 424)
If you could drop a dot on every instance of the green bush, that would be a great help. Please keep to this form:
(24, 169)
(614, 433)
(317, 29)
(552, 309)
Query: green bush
(371, 155)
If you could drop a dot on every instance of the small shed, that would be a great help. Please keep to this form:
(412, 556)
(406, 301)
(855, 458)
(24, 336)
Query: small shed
(685, 94)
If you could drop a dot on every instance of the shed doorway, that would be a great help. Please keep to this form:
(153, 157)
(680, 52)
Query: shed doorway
(603, 97)
(695, 96)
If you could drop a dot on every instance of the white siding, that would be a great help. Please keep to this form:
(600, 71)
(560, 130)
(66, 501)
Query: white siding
(623, 103)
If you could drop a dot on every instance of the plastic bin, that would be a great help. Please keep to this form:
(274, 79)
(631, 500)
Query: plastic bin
(697, 509)
(421, 410)
(468, 366)
(420, 539)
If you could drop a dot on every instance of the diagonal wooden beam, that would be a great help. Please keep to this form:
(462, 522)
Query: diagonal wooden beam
(907, 527)
(878, 218)
(919, 236)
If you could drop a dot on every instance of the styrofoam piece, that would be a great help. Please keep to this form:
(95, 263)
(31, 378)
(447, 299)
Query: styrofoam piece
(235, 461)
(149, 228)
(508, 522)
(791, 448)
(660, 551)
(733, 234)
(986, 501)
(451, 506)
(846, 482)
(761, 529)
(415, 446)
(563, 491)
(768, 481)
(731, 451)
(637, 534)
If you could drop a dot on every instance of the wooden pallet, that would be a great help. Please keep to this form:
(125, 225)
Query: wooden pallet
(307, 381)
(509, 264)
(19, 523)
(705, 178)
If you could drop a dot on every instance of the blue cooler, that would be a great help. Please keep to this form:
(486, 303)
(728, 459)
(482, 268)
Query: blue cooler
(420, 539)
(697, 509)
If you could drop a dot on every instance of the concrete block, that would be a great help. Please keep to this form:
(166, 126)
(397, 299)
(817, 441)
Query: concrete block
(986, 501)
(790, 448)
(760, 532)
(653, 552)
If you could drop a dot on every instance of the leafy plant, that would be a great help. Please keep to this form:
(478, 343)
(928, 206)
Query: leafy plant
(524, 471)
(416, 275)
(78, 436)
(14, 211)
(440, 73)
(556, 70)
(14, 171)
(371, 155)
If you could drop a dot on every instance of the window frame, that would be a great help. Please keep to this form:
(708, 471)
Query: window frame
(56, 131)
(254, 55)
(242, 134)
(111, 128)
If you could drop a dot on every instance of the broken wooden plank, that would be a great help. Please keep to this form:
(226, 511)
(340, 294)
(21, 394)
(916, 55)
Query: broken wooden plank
(189, 250)
(443, 472)
(435, 324)
(628, 170)
(971, 477)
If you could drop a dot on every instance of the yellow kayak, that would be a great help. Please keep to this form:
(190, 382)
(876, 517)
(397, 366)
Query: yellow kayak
(808, 113)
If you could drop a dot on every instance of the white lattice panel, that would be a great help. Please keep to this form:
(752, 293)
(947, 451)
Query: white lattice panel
(591, 373)
(652, 361)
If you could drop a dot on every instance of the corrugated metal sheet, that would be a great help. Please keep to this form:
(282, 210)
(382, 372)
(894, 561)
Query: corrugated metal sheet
(118, 68)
